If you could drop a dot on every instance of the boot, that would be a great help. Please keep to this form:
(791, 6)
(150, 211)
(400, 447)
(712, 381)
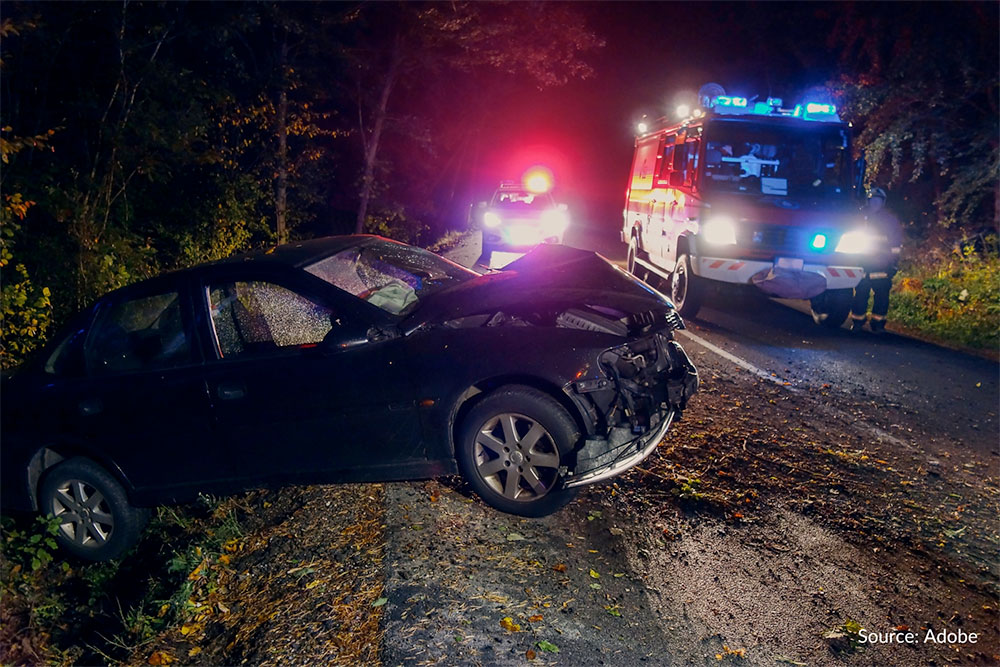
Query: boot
(877, 326)
(857, 324)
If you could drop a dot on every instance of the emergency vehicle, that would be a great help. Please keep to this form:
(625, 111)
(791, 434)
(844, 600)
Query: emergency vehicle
(751, 193)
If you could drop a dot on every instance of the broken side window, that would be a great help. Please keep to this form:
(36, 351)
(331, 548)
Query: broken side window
(257, 317)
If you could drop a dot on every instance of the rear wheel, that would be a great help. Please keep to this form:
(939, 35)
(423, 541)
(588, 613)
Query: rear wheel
(686, 289)
(96, 521)
(832, 307)
(510, 447)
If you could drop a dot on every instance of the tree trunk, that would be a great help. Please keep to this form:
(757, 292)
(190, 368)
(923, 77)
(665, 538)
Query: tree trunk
(281, 187)
(371, 143)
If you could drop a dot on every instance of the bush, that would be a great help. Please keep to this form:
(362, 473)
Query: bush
(955, 298)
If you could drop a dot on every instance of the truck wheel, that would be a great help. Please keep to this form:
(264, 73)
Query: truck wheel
(633, 251)
(510, 447)
(832, 307)
(686, 289)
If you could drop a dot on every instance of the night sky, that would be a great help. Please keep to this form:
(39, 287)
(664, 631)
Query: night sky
(655, 51)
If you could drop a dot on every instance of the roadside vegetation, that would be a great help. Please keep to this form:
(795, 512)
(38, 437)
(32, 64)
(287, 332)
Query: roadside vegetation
(953, 297)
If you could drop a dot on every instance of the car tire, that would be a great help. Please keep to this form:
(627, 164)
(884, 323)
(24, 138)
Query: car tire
(98, 522)
(497, 441)
(831, 308)
(687, 290)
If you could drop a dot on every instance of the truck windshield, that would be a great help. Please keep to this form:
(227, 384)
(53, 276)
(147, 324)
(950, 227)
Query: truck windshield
(798, 163)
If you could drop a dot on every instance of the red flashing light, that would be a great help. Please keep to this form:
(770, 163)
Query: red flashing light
(537, 179)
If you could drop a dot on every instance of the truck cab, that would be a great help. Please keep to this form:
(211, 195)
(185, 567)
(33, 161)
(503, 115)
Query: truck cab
(748, 193)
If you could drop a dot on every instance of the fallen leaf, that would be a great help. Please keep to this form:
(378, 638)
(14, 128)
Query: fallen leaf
(595, 574)
(194, 651)
(596, 586)
(515, 537)
(613, 611)
(559, 567)
(536, 618)
(161, 658)
(548, 647)
(380, 602)
(529, 654)
(509, 625)
(313, 584)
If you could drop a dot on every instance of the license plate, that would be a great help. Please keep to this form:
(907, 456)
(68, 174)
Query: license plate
(789, 263)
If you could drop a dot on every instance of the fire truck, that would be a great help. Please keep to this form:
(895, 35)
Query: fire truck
(748, 192)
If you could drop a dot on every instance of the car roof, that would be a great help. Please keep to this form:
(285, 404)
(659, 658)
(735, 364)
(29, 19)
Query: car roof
(296, 255)
(302, 253)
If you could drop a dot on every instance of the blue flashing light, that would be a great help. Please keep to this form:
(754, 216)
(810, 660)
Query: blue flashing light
(774, 102)
(727, 101)
(819, 241)
(762, 109)
(817, 108)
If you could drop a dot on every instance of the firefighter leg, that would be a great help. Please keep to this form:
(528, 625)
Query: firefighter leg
(859, 307)
(880, 304)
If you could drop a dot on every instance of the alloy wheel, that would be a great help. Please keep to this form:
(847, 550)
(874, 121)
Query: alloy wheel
(84, 514)
(516, 456)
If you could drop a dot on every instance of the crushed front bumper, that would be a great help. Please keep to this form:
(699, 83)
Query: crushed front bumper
(650, 395)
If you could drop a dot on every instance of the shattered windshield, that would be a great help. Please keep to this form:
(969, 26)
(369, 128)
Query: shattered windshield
(803, 164)
(392, 276)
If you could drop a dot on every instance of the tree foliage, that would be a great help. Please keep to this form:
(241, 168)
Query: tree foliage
(922, 86)
(141, 136)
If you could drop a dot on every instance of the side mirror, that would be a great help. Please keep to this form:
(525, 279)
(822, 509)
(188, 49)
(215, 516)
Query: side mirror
(860, 167)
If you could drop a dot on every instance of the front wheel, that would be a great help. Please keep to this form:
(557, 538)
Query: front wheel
(633, 252)
(686, 289)
(832, 307)
(96, 520)
(510, 447)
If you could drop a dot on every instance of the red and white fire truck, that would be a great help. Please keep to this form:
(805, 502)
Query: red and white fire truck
(752, 193)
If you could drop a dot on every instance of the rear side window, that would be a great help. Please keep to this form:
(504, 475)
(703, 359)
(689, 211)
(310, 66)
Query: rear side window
(139, 334)
(253, 318)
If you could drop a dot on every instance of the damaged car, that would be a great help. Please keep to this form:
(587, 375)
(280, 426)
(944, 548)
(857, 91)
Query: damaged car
(343, 359)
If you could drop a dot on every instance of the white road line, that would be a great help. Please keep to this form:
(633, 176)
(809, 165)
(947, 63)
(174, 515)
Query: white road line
(742, 363)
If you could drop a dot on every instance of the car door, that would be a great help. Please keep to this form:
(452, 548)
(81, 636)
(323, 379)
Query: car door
(140, 403)
(295, 408)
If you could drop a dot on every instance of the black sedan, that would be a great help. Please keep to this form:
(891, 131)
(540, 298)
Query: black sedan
(342, 359)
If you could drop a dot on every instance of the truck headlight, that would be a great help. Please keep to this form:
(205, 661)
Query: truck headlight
(491, 219)
(719, 230)
(857, 242)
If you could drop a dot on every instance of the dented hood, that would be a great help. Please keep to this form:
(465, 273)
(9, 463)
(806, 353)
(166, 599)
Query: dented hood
(550, 274)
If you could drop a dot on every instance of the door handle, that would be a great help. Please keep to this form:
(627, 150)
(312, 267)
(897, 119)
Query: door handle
(91, 406)
(231, 391)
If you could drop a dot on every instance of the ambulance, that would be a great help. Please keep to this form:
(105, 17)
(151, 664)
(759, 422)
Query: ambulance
(748, 192)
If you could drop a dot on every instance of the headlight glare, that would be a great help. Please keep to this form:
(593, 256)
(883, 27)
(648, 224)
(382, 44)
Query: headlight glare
(719, 230)
(491, 219)
(856, 242)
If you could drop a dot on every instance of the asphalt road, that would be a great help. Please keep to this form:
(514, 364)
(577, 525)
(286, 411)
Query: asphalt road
(916, 386)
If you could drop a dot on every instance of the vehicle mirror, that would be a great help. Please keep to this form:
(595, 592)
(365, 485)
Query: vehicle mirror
(860, 166)
(676, 179)
(340, 339)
